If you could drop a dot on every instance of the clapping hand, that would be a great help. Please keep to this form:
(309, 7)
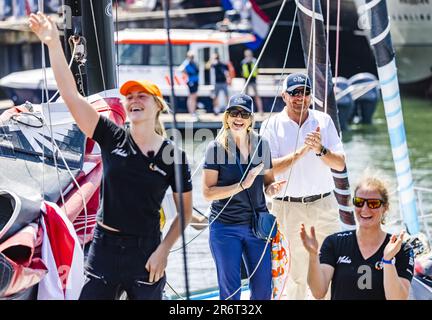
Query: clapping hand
(309, 242)
(313, 140)
(252, 174)
(275, 187)
(393, 246)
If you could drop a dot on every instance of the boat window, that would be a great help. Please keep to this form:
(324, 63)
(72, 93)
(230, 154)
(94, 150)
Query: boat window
(158, 55)
(132, 54)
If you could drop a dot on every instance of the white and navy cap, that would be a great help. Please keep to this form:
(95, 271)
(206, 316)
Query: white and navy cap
(242, 101)
(296, 80)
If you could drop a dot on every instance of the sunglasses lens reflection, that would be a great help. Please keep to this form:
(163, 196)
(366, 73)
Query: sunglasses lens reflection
(371, 203)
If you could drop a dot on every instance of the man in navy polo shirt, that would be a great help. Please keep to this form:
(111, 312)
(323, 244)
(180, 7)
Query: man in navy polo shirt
(304, 145)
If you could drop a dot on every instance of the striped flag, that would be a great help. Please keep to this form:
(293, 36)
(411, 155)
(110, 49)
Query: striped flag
(260, 22)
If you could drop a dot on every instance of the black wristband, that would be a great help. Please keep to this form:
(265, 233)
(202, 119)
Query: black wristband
(323, 152)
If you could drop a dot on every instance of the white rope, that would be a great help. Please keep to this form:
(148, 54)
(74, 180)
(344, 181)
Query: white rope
(309, 12)
(259, 141)
(250, 75)
(327, 56)
(381, 36)
(249, 164)
(264, 46)
(55, 146)
(98, 48)
(70, 65)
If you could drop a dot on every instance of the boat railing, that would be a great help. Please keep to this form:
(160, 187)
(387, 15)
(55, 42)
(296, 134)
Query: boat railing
(425, 218)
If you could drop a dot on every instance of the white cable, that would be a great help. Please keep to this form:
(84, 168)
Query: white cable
(98, 48)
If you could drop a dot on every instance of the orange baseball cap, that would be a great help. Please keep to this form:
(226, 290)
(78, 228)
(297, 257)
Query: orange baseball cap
(145, 85)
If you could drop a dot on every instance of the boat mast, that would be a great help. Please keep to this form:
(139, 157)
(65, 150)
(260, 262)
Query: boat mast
(98, 30)
(312, 24)
(374, 17)
(177, 156)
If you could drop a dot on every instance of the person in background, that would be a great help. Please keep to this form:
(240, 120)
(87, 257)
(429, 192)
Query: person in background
(127, 252)
(190, 69)
(305, 146)
(220, 74)
(247, 65)
(365, 264)
(231, 237)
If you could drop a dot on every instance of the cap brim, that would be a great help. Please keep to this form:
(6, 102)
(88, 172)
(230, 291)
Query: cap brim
(297, 86)
(125, 88)
(240, 106)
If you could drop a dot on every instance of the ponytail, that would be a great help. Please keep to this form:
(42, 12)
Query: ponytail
(159, 127)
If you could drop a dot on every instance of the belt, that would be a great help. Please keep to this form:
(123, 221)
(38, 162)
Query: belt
(304, 199)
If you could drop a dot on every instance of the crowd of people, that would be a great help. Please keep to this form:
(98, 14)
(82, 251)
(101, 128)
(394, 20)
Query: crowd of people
(221, 79)
(298, 147)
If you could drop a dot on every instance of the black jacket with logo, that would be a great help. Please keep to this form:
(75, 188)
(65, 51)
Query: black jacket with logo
(356, 278)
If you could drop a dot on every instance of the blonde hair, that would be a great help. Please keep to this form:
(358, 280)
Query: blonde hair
(163, 106)
(225, 134)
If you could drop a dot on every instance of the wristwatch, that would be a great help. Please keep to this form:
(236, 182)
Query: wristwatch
(323, 152)
(392, 261)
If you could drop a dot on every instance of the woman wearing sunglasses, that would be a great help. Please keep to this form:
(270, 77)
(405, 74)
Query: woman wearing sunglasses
(231, 236)
(365, 264)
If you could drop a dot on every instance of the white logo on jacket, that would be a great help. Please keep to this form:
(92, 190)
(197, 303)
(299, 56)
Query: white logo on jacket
(344, 259)
(120, 152)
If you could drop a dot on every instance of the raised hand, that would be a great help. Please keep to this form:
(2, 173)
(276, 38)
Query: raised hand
(275, 187)
(393, 246)
(309, 242)
(252, 174)
(44, 28)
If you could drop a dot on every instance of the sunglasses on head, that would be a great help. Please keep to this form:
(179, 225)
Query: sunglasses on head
(371, 203)
(235, 113)
(299, 92)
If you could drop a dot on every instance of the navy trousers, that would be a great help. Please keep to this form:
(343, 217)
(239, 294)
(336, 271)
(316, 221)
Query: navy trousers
(229, 244)
(116, 263)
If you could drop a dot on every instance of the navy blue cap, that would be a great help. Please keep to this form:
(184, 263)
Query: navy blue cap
(242, 101)
(296, 80)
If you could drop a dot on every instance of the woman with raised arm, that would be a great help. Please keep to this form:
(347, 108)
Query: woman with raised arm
(365, 264)
(231, 236)
(127, 253)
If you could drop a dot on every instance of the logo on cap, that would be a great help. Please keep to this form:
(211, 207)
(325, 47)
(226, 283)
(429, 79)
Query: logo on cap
(239, 100)
(299, 79)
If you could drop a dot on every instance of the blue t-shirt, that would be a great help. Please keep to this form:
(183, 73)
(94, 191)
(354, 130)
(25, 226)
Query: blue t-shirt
(239, 210)
(191, 70)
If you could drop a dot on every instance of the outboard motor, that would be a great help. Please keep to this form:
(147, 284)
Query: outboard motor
(365, 95)
(344, 102)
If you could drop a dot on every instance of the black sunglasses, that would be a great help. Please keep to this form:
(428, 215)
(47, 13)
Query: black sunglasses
(235, 113)
(299, 92)
(371, 203)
